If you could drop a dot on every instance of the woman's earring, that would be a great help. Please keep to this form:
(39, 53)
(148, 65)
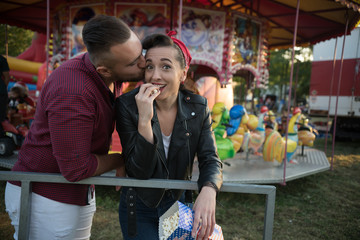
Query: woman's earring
(183, 80)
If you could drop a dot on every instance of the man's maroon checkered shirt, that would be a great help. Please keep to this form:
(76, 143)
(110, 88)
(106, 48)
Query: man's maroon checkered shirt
(74, 120)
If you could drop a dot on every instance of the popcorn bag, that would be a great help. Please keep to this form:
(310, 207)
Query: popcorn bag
(176, 223)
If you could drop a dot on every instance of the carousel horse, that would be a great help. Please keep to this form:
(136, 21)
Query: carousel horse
(306, 133)
(293, 134)
(274, 146)
(220, 117)
(217, 113)
(236, 128)
(270, 123)
(255, 139)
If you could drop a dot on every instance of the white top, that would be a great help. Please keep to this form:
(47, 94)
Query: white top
(166, 142)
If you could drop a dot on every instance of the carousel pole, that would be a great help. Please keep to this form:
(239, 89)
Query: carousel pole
(6, 41)
(296, 81)
(47, 36)
(331, 90)
(290, 86)
(180, 18)
(172, 15)
(338, 93)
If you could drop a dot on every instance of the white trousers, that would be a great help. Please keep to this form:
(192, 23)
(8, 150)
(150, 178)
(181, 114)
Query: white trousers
(50, 219)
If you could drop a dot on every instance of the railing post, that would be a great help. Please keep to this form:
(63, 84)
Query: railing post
(25, 210)
(269, 215)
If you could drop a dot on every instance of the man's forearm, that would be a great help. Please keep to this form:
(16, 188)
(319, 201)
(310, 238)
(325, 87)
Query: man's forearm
(108, 162)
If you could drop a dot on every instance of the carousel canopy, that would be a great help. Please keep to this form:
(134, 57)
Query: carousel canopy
(28, 14)
(318, 19)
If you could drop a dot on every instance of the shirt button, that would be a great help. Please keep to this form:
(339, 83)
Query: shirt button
(131, 204)
(192, 114)
(132, 213)
(131, 196)
(187, 134)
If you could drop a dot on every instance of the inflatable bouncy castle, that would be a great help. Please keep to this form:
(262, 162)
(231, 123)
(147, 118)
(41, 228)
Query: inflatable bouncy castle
(28, 66)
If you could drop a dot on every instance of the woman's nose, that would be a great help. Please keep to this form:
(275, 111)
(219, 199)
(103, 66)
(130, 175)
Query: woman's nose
(155, 73)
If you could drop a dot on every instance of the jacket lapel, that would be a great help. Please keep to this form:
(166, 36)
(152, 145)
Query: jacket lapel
(157, 132)
(180, 134)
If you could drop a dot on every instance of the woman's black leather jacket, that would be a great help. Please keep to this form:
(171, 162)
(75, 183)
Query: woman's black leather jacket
(192, 135)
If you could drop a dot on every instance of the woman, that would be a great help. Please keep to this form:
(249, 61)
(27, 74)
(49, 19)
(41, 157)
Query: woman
(161, 129)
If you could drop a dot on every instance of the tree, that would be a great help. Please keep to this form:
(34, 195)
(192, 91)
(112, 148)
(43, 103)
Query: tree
(279, 72)
(19, 40)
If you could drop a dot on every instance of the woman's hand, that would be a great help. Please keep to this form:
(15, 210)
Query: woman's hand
(144, 101)
(204, 217)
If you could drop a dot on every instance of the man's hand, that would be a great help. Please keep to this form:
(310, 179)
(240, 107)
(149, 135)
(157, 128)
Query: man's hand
(204, 216)
(120, 172)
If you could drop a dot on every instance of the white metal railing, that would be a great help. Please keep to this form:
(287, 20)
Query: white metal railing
(27, 178)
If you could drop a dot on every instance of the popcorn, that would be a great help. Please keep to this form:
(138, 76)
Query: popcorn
(169, 225)
(177, 221)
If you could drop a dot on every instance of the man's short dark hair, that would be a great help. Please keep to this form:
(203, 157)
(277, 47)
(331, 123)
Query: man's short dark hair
(101, 33)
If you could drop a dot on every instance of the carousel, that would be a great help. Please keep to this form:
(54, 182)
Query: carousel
(226, 39)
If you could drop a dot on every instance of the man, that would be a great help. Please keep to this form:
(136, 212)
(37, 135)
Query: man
(71, 132)
(4, 81)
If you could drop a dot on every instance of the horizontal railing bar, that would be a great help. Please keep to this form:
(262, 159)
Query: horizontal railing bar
(117, 181)
(28, 177)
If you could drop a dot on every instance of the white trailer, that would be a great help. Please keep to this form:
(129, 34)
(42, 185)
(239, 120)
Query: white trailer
(348, 111)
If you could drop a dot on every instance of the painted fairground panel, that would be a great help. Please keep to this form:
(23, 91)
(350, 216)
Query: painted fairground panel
(57, 34)
(58, 52)
(79, 15)
(203, 32)
(144, 18)
(246, 42)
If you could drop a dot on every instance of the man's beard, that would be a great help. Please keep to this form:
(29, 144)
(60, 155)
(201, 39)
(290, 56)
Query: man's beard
(137, 78)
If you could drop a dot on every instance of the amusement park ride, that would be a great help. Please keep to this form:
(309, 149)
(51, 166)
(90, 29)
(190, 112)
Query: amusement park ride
(240, 133)
(226, 39)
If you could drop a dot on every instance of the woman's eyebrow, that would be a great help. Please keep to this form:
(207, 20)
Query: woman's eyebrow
(161, 59)
(166, 59)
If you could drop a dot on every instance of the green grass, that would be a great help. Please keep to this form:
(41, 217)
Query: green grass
(321, 206)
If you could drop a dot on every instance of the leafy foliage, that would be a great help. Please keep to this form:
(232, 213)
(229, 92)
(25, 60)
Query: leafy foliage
(18, 40)
(280, 69)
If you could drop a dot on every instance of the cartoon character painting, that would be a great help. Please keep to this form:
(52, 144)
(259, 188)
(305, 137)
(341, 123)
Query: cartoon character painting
(144, 19)
(195, 30)
(79, 15)
(203, 32)
(246, 41)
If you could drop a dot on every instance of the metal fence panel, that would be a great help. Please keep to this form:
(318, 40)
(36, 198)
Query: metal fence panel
(28, 177)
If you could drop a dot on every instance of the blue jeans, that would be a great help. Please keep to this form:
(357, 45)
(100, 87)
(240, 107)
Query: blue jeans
(147, 219)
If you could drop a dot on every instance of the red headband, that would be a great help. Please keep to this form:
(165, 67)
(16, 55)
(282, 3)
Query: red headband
(182, 47)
